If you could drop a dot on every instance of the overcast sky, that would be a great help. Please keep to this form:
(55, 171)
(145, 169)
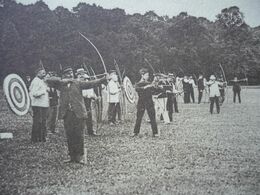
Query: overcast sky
(205, 8)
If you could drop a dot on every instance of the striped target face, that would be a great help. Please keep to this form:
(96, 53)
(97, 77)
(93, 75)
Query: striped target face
(16, 94)
(129, 90)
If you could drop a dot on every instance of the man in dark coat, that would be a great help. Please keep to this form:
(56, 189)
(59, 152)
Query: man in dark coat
(73, 111)
(53, 109)
(236, 90)
(145, 90)
(201, 87)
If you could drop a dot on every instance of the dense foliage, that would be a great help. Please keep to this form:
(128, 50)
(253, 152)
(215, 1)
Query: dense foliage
(181, 44)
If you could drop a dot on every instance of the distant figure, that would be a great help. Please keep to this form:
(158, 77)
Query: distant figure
(236, 89)
(172, 97)
(192, 85)
(201, 87)
(53, 109)
(28, 81)
(214, 93)
(221, 90)
(38, 91)
(186, 89)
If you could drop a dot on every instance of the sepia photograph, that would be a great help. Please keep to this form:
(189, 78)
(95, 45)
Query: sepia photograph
(117, 97)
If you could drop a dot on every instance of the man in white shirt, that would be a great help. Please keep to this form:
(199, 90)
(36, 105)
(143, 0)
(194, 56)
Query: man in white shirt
(192, 86)
(113, 90)
(38, 92)
(214, 93)
(186, 89)
(88, 95)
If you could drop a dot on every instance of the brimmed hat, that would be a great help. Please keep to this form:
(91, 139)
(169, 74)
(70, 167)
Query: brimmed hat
(66, 70)
(143, 71)
(112, 72)
(80, 70)
(39, 69)
(212, 77)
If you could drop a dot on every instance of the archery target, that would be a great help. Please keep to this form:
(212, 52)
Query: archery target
(129, 90)
(16, 94)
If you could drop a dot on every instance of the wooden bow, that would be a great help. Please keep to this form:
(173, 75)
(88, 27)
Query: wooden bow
(123, 106)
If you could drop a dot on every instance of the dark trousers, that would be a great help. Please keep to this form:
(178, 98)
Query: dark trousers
(212, 101)
(192, 95)
(186, 97)
(200, 96)
(52, 118)
(39, 124)
(89, 122)
(235, 94)
(112, 110)
(222, 96)
(118, 111)
(175, 105)
(139, 116)
(169, 105)
(74, 128)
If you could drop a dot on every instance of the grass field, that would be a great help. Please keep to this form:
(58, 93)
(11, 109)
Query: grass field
(198, 154)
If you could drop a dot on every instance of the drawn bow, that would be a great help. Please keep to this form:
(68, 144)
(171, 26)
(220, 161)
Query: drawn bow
(123, 106)
(99, 104)
(225, 80)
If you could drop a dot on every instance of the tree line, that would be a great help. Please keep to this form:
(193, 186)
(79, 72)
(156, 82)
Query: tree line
(182, 44)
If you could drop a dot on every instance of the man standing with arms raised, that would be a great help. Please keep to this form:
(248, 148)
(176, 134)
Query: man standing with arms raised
(145, 90)
(73, 111)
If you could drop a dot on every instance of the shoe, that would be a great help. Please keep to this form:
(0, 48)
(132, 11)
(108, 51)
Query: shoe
(112, 124)
(80, 162)
(156, 135)
(94, 134)
(69, 161)
(79, 159)
(134, 135)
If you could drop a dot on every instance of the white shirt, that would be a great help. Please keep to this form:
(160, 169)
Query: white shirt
(88, 93)
(174, 89)
(113, 92)
(178, 83)
(39, 93)
(192, 82)
(213, 88)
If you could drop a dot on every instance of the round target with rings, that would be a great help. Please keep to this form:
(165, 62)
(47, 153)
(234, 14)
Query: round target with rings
(129, 90)
(16, 94)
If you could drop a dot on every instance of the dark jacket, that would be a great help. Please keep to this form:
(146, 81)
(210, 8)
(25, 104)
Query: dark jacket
(53, 96)
(236, 86)
(71, 95)
(144, 95)
(201, 84)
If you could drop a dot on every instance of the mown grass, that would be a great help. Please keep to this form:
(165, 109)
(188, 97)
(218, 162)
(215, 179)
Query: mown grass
(198, 154)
